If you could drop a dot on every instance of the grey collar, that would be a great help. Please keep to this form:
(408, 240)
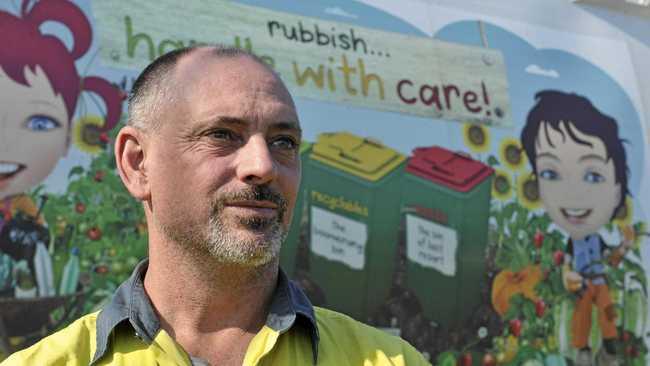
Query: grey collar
(130, 302)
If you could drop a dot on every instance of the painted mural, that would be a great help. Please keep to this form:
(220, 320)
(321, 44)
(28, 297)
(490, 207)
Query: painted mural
(517, 240)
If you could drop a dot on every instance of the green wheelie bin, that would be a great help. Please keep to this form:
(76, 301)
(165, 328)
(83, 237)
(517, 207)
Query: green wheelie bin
(352, 192)
(288, 253)
(445, 209)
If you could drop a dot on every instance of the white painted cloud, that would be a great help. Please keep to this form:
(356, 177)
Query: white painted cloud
(537, 70)
(340, 12)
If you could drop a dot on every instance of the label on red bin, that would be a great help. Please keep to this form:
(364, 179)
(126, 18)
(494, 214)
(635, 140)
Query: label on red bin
(338, 238)
(431, 245)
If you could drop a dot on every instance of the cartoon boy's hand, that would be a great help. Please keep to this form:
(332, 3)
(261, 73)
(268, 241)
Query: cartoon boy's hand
(572, 280)
(628, 237)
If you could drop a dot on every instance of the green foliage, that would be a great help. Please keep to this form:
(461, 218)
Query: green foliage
(526, 238)
(97, 215)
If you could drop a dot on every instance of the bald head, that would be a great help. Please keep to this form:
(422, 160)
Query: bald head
(163, 82)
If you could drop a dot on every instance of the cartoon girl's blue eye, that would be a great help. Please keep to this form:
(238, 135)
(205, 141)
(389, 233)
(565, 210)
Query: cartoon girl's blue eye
(549, 174)
(593, 177)
(42, 123)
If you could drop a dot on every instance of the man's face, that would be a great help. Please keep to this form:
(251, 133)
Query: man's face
(224, 167)
(577, 181)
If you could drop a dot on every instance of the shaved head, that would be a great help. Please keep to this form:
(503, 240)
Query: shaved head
(156, 86)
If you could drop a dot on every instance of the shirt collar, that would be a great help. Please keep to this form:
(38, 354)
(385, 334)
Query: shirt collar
(130, 302)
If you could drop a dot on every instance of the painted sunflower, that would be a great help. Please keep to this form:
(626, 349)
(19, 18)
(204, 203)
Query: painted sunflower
(501, 185)
(512, 154)
(86, 135)
(528, 191)
(476, 137)
(623, 216)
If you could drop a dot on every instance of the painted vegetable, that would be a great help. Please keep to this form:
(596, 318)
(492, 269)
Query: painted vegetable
(43, 269)
(508, 283)
(70, 274)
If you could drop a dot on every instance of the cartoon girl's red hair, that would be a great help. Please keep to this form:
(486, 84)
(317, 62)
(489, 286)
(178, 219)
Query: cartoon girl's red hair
(64, 12)
(31, 49)
(112, 98)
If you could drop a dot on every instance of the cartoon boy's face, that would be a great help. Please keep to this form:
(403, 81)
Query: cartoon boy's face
(33, 131)
(576, 179)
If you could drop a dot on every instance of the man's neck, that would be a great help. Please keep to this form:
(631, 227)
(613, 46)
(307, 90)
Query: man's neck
(211, 309)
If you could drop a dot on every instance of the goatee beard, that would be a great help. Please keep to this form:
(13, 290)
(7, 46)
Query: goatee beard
(249, 241)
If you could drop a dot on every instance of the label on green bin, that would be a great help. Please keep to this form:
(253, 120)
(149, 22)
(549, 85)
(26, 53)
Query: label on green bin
(431, 245)
(338, 238)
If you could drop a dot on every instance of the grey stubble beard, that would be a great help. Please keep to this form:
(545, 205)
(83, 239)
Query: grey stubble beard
(224, 245)
(219, 242)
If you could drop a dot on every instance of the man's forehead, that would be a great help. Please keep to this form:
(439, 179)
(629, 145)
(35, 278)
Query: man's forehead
(209, 87)
(205, 66)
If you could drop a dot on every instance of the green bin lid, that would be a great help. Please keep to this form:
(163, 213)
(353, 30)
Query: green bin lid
(304, 146)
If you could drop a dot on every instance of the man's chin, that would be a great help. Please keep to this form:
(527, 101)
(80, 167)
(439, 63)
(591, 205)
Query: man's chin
(248, 258)
(246, 248)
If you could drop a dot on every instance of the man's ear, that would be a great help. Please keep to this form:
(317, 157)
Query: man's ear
(130, 160)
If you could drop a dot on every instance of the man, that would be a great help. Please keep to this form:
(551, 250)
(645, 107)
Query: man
(211, 149)
(581, 168)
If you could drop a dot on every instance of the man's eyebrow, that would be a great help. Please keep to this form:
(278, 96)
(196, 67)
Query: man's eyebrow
(548, 155)
(229, 121)
(235, 121)
(287, 126)
(592, 157)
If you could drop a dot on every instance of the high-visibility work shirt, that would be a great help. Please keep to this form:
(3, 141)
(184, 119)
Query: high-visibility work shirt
(127, 332)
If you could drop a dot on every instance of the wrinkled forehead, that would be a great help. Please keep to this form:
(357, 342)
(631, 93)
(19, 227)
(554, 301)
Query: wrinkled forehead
(206, 85)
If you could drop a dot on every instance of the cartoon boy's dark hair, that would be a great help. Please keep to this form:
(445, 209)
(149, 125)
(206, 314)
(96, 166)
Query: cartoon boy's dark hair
(554, 107)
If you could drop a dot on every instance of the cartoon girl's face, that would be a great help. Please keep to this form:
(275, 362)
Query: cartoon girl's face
(577, 181)
(33, 131)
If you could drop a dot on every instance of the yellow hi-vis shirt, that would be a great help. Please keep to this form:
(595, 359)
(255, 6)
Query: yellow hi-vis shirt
(127, 332)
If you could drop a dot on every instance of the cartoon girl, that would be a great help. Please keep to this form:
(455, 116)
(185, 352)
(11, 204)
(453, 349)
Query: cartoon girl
(581, 168)
(39, 90)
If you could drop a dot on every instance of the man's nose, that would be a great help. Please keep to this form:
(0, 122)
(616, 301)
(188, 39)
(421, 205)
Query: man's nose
(255, 162)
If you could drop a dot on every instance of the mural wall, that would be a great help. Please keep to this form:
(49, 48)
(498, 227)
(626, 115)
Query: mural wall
(470, 183)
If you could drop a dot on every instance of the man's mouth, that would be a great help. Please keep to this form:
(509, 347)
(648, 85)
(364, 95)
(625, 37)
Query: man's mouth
(576, 215)
(253, 204)
(261, 209)
(9, 170)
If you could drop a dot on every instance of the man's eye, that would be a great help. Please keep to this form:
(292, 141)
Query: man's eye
(42, 123)
(285, 143)
(224, 135)
(593, 177)
(549, 174)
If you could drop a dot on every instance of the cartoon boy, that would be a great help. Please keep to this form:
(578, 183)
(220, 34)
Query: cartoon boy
(39, 90)
(580, 165)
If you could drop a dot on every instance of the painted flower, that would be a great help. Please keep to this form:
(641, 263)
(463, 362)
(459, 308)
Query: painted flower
(476, 137)
(501, 185)
(528, 191)
(623, 216)
(512, 154)
(482, 332)
(87, 134)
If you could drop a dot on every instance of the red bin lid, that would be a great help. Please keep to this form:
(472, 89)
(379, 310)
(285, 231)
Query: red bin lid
(447, 168)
